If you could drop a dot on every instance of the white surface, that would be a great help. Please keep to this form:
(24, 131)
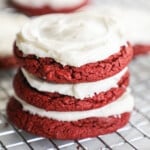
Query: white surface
(124, 104)
(55, 4)
(135, 23)
(10, 25)
(81, 90)
(64, 38)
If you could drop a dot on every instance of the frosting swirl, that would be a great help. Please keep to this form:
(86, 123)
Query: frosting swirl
(72, 39)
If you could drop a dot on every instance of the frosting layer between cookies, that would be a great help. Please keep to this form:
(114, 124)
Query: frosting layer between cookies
(80, 90)
(73, 39)
(124, 104)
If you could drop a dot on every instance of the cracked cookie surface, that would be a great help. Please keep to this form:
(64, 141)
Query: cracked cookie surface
(49, 70)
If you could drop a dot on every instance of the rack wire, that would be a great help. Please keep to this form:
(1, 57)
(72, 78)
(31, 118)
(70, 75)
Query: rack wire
(136, 135)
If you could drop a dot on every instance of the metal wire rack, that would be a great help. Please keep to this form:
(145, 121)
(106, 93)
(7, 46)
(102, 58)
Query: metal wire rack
(136, 135)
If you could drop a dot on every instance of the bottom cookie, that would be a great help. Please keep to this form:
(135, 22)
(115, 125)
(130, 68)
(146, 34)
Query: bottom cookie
(49, 128)
(141, 49)
(8, 62)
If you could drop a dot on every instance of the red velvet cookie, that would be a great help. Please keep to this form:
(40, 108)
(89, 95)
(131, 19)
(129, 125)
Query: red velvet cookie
(141, 49)
(8, 62)
(49, 128)
(35, 11)
(49, 70)
(58, 102)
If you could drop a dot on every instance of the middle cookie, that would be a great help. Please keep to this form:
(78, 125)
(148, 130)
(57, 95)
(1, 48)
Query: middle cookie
(70, 97)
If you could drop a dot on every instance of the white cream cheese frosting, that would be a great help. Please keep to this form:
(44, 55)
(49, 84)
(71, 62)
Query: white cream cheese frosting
(121, 105)
(80, 90)
(10, 25)
(56, 4)
(73, 39)
(136, 25)
(134, 22)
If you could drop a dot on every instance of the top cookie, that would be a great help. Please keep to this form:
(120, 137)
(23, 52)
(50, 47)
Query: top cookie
(73, 48)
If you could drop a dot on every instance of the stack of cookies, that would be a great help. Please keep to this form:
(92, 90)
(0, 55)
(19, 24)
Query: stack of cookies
(73, 80)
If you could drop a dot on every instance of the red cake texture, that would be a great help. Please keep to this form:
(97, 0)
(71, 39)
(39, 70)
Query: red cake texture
(49, 70)
(49, 128)
(8, 62)
(141, 49)
(58, 102)
(31, 11)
